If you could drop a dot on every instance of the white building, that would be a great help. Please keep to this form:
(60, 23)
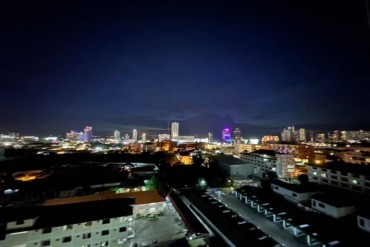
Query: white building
(174, 129)
(294, 192)
(91, 223)
(335, 206)
(117, 135)
(267, 160)
(163, 137)
(363, 221)
(134, 135)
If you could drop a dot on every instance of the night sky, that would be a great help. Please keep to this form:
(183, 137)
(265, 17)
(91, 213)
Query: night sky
(256, 65)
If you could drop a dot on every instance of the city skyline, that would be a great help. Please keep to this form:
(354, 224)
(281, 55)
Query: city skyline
(208, 65)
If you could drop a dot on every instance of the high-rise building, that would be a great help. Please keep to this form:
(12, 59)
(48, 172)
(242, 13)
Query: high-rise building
(302, 135)
(226, 134)
(127, 137)
(289, 135)
(143, 137)
(237, 134)
(174, 130)
(87, 134)
(210, 137)
(134, 135)
(117, 135)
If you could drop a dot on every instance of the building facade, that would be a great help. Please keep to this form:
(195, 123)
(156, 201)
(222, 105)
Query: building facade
(175, 129)
(345, 176)
(265, 161)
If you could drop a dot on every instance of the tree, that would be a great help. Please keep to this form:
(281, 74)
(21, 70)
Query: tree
(303, 178)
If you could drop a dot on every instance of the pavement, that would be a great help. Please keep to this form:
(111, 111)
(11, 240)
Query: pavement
(276, 232)
(165, 230)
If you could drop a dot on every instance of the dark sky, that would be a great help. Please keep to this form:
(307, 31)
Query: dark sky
(256, 65)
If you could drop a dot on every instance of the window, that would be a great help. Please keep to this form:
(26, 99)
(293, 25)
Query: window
(19, 222)
(87, 224)
(106, 221)
(344, 173)
(122, 229)
(321, 205)
(45, 243)
(314, 173)
(324, 175)
(104, 244)
(68, 227)
(105, 232)
(334, 177)
(314, 203)
(294, 194)
(67, 239)
(362, 222)
(334, 183)
(344, 179)
(276, 188)
(86, 235)
(46, 230)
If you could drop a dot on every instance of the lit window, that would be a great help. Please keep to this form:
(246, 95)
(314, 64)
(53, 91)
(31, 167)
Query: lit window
(324, 175)
(86, 235)
(314, 173)
(354, 181)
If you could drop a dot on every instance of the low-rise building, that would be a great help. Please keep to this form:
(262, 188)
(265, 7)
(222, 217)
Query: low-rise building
(235, 167)
(333, 205)
(363, 220)
(297, 193)
(92, 223)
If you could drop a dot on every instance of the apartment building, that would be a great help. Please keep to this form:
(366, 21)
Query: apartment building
(88, 224)
(267, 160)
(342, 175)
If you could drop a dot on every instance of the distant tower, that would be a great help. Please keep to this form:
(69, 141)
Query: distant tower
(302, 135)
(143, 137)
(226, 135)
(127, 137)
(87, 134)
(237, 135)
(134, 135)
(210, 137)
(117, 135)
(174, 130)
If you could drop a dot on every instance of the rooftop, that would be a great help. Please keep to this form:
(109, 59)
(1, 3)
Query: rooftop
(68, 214)
(229, 160)
(346, 167)
(141, 197)
(334, 199)
(299, 188)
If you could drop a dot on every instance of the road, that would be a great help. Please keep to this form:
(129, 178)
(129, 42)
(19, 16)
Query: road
(276, 232)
